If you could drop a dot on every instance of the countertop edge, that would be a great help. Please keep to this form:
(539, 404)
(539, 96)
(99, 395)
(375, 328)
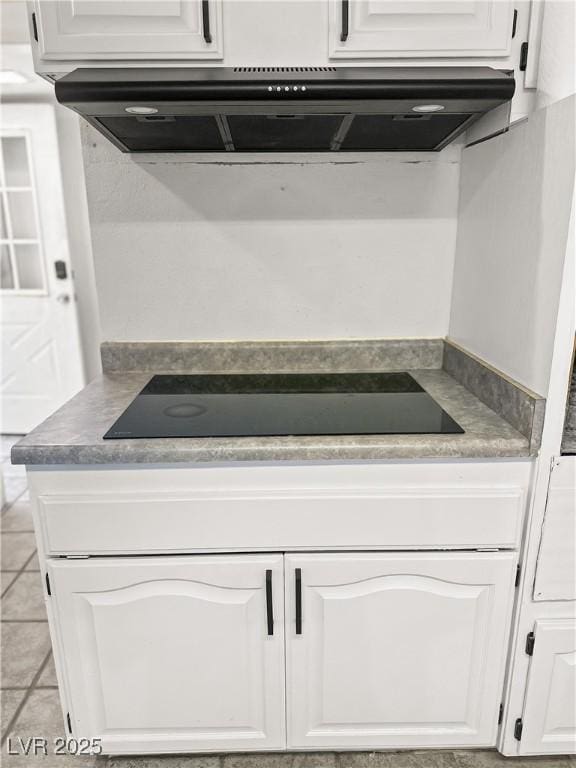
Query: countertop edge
(89, 455)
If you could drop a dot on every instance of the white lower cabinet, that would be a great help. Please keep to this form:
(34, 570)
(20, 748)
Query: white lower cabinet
(548, 724)
(392, 650)
(190, 653)
(167, 654)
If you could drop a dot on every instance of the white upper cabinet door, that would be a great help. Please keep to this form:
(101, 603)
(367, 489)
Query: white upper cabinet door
(550, 709)
(420, 28)
(173, 654)
(129, 29)
(396, 650)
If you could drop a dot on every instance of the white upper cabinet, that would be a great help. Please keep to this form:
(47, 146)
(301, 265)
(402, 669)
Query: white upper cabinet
(129, 29)
(173, 654)
(550, 711)
(396, 650)
(420, 28)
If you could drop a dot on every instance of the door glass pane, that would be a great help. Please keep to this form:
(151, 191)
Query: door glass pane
(6, 276)
(21, 207)
(29, 267)
(15, 156)
(3, 226)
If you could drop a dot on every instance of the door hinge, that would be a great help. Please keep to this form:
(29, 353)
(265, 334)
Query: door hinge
(48, 589)
(517, 579)
(530, 640)
(514, 22)
(34, 27)
(523, 57)
(518, 729)
(68, 722)
(500, 714)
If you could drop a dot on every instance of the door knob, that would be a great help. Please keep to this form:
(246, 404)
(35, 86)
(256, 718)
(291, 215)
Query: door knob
(63, 298)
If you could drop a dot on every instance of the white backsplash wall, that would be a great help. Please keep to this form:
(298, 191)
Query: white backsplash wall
(211, 248)
(515, 201)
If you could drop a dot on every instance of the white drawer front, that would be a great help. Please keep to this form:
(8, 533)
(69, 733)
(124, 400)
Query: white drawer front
(281, 520)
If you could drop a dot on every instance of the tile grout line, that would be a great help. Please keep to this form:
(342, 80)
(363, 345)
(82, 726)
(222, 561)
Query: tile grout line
(9, 504)
(25, 688)
(25, 698)
(23, 530)
(24, 621)
(18, 574)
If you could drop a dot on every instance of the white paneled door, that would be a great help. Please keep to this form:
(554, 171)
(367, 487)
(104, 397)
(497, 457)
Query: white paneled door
(167, 654)
(420, 28)
(392, 650)
(550, 710)
(41, 355)
(120, 29)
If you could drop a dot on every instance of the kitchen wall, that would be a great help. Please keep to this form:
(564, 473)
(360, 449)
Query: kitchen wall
(258, 248)
(515, 202)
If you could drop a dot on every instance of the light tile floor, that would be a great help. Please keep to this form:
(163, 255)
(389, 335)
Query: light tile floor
(29, 696)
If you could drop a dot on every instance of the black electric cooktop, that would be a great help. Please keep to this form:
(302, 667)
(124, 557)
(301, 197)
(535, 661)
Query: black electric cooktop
(242, 405)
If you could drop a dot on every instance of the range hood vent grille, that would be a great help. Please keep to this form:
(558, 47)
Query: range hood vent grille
(284, 69)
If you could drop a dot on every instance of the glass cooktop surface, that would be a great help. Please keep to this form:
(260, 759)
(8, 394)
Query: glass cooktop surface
(244, 405)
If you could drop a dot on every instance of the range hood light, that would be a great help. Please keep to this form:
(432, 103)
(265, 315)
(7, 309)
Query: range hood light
(428, 108)
(141, 110)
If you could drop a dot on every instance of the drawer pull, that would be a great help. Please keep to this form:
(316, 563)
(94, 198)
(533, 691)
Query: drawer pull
(206, 21)
(345, 13)
(298, 575)
(269, 606)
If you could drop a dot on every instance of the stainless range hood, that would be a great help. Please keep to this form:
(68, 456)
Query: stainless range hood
(284, 109)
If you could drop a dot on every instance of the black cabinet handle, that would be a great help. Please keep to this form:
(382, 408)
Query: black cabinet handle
(206, 21)
(269, 606)
(345, 13)
(298, 577)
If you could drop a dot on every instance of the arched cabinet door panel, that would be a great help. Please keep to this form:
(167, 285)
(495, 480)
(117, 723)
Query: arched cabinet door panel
(396, 650)
(173, 653)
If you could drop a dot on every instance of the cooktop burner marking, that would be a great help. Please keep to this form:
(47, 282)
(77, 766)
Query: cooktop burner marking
(184, 410)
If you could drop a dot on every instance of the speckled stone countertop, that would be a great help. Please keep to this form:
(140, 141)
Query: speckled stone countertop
(569, 436)
(73, 435)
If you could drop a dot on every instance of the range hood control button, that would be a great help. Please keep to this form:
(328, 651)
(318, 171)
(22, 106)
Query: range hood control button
(286, 88)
